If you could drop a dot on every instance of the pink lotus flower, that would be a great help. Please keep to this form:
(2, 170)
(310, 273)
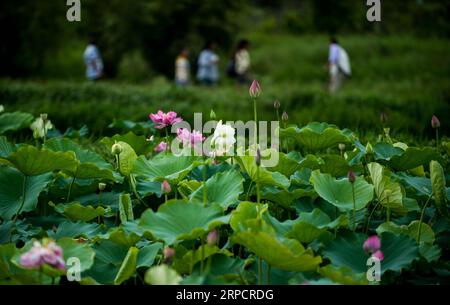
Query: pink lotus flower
(162, 146)
(255, 89)
(165, 187)
(162, 119)
(38, 255)
(372, 244)
(212, 237)
(378, 254)
(187, 137)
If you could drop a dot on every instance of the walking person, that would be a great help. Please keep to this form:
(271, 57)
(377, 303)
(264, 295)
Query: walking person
(182, 68)
(208, 71)
(93, 61)
(242, 62)
(338, 65)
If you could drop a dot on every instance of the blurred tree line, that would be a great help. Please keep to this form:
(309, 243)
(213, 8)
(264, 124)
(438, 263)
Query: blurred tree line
(151, 32)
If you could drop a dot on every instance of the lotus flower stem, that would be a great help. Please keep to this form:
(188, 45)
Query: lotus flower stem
(70, 187)
(203, 255)
(255, 114)
(205, 199)
(268, 275)
(24, 185)
(419, 231)
(258, 195)
(370, 216)
(388, 210)
(354, 207)
(167, 140)
(437, 139)
(248, 191)
(260, 271)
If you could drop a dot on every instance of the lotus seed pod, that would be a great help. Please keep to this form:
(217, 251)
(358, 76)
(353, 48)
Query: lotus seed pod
(435, 123)
(276, 104)
(116, 149)
(351, 176)
(101, 186)
(341, 146)
(284, 116)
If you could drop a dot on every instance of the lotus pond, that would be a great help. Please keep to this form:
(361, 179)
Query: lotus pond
(125, 210)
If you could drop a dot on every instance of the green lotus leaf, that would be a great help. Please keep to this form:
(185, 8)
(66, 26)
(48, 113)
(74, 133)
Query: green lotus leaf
(343, 275)
(389, 193)
(438, 186)
(75, 211)
(248, 211)
(187, 262)
(16, 189)
(32, 161)
(162, 275)
(73, 249)
(412, 230)
(385, 151)
(165, 167)
(316, 136)
(90, 165)
(347, 250)
(76, 229)
(127, 158)
(187, 187)
(6, 148)
(263, 176)
(223, 188)
(122, 236)
(286, 254)
(128, 267)
(284, 197)
(287, 165)
(413, 157)
(421, 185)
(147, 254)
(334, 165)
(125, 208)
(14, 121)
(339, 192)
(139, 143)
(147, 188)
(11, 273)
(176, 220)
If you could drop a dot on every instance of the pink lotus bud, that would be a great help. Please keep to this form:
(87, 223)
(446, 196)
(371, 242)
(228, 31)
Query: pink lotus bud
(351, 176)
(372, 244)
(435, 123)
(165, 187)
(162, 146)
(212, 237)
(378, 254)
(284, 116)
(276, 104)
(168, 253)
(255, 89)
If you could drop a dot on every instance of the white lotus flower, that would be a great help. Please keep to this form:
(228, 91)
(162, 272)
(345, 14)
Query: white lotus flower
(223, 139)
(39, 129)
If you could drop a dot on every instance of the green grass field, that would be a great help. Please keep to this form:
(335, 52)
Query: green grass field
(404, 76)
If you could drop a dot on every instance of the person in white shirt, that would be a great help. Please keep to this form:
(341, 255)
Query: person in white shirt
(93, 61)
(338, 65)
(208, 71)
(182, 68)
(242, 62)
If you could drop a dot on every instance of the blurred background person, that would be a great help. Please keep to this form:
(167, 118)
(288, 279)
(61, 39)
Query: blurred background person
(338, 65)
(242, 62)
(182, 68)
(208, 72)
(93, 61)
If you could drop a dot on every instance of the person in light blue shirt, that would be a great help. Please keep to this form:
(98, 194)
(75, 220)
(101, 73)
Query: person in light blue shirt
(93, 61)
(208, 71)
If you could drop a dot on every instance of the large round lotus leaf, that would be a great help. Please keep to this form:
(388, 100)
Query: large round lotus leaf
(339, 192)
(73, 249)
(286, 254)
(387, 191)
(75, 211)
(187, 262)
(284, 197)
(438, 185)
(347, 250)
(177, 220)
(91, 165)
(247, 211)
(128, 267)
(412, 230)
(165, 167)
(421, 185)
(413, 157)
(223, 188)
(12, 187)
(385, 151)
(315, 136)
(287, 165)
(139, 143)
(32, 161)
(75, 229)
(264, 177)
(147, 254)
(6, 148)
(14, 121)
(162, 275)
(343, 275)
